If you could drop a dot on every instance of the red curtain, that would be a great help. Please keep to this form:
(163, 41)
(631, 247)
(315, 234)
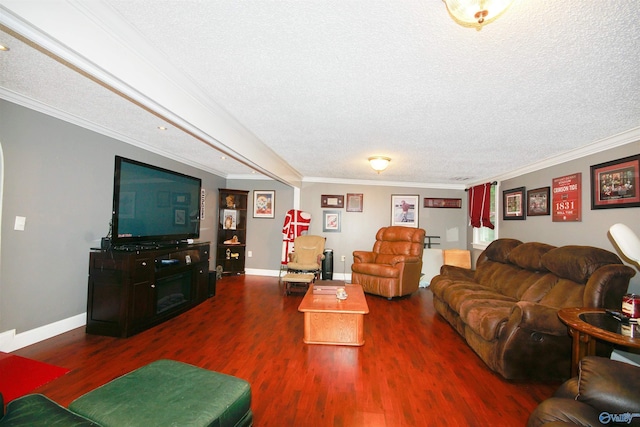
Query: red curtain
(480, 205)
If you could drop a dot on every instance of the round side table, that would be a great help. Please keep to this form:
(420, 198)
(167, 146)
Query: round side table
(586, 325)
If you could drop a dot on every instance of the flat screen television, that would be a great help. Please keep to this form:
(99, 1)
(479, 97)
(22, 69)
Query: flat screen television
(153, 206)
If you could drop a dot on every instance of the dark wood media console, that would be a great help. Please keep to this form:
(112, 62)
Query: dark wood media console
(130, 291)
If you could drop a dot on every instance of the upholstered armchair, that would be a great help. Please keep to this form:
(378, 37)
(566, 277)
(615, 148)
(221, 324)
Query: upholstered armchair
(307, 255)
(305, 263)
(393, 267)
(604, 393)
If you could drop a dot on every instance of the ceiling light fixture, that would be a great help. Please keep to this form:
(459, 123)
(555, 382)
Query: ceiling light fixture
(476, 13)
(4, 48)
(379, 163)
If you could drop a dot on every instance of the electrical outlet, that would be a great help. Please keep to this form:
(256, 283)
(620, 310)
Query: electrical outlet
(249, 254)
(343, 258)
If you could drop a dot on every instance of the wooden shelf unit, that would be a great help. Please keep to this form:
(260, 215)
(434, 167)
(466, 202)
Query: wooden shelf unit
(232, 227)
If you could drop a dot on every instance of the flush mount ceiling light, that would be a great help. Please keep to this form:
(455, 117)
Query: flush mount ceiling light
(379, 163)
(476, 13)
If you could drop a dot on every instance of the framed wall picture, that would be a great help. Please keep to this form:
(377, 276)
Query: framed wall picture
(442, 203)
(615, 184)
(404, 210)
(264, 204)
(229, 219)
(513, 204)
(538, 202)
(567, 198)
(354, 202)
(332, 201)
(331, 221)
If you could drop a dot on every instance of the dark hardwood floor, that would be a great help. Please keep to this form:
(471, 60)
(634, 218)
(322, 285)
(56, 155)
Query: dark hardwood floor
(414, 369)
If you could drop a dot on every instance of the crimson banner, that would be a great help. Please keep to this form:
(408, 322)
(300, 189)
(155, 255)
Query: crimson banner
(567, 198)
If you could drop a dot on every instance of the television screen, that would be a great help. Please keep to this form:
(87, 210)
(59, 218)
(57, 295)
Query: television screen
(152, 205)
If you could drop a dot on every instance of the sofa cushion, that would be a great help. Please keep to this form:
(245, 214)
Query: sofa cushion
(565, 293)
(529, 255)
(459, 293)
(539, 288)
(378, 270)
(577, 263)
(609, 385)
(500, 249)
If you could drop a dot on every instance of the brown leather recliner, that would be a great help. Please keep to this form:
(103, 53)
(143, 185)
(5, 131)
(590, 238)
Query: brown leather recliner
(393, 267)
(604, 393)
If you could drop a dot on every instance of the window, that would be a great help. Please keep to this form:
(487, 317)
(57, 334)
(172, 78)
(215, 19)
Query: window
(483, 236)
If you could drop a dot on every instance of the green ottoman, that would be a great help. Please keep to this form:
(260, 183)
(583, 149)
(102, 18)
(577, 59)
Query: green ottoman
(169, 393)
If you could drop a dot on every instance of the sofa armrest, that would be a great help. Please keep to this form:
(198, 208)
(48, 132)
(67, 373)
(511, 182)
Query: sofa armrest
(568, 389)
(538, 317)
(456, 272)
(609, 385)
(557, 411)
(364, 256)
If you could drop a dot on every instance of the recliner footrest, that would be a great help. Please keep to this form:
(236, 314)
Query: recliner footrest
(298, 278)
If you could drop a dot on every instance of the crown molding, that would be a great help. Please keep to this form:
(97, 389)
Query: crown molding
(141, 74)
(40, 107)
(322, 180)
(618, 140)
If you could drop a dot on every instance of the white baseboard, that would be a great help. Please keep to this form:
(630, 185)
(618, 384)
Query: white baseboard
(10, 341)
(5, 338)
(261, 272)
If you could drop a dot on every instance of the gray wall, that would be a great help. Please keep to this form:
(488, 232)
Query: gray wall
(60, 177)
(358, 229)
(264, 235)
(592, 230)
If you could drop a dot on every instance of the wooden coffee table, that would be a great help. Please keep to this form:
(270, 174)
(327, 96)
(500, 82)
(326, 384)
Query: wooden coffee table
(328, 320)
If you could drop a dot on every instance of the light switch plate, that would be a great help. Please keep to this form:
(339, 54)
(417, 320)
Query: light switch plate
(20, 223)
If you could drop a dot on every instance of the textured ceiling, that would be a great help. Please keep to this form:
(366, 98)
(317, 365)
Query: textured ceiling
(324, 84)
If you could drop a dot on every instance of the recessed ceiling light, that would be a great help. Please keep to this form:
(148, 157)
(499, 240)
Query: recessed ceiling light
(4, 48)
(223, 158)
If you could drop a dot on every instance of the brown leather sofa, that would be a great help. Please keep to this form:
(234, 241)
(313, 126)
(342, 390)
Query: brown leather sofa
(506, 309)
(604, 393)
(393, 267)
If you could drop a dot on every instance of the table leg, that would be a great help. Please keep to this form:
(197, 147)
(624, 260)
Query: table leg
(583, 345)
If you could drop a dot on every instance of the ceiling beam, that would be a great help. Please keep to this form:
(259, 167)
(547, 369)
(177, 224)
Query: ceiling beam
(92, 37)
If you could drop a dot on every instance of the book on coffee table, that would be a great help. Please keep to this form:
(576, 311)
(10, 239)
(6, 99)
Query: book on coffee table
(326, 290)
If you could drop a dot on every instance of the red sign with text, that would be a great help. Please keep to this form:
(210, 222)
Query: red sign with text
(567, 200)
